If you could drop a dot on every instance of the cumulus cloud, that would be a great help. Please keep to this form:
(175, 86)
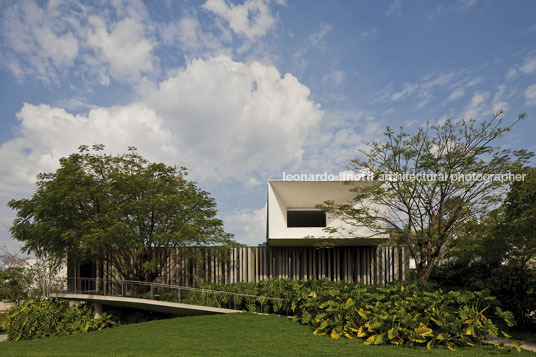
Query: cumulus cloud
(249, 225)
(37, 45)
(188, 34)
(220, 118)
(47, 41)
(47, 133)
(123, 48)
(251, 19)
(232, 118)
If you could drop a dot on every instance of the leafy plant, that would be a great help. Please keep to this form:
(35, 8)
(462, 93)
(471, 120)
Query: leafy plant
(399, 314)
(44, 318)
(404, 314)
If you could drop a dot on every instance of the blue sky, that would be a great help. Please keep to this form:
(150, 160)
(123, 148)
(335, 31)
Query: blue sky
(240, 92)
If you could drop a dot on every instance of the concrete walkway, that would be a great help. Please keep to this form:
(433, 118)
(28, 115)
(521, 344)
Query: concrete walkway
(145, 304)
(524, 345)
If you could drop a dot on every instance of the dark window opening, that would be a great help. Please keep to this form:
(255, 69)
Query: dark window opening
(305, 218)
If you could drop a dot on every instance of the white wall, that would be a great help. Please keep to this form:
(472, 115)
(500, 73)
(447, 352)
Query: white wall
(283, 195)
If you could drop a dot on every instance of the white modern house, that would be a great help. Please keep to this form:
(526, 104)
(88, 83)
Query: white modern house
(293, 218)
(298, 245)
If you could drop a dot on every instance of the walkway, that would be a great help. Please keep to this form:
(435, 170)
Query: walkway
(145, 304)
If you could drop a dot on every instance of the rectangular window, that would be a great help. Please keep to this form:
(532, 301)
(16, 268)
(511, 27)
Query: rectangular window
(305, 218)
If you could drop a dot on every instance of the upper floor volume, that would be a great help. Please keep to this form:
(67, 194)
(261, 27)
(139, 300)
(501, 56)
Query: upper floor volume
(293, 218)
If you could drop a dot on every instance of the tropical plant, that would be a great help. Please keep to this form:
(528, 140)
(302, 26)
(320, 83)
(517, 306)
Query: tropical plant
(44, 318)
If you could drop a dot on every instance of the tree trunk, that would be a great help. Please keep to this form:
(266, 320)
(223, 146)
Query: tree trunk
(424, 271)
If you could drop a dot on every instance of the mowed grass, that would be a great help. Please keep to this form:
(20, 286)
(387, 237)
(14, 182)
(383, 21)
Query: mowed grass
(219, 335)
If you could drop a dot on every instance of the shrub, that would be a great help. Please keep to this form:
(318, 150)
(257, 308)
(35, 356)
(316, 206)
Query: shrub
(402, 313)
(513, 287)
(15, 285)
(44, 318)
(4, 322)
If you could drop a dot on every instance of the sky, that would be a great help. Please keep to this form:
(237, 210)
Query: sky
(241, 91)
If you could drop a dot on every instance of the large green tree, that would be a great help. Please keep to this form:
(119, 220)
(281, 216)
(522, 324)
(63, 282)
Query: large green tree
(518, 226)
(426, 210)
(498, 252)
(122, 209)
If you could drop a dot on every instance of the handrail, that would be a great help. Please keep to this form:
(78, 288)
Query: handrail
(97, 285)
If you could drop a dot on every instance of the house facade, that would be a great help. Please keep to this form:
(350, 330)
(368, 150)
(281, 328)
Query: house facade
(298, 245)
(293, 218)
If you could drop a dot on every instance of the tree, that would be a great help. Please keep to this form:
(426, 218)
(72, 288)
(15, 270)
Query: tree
(517, 232)
(420, 183)
(15, 277)
(518, 227)
(122, 209)
(498, 252)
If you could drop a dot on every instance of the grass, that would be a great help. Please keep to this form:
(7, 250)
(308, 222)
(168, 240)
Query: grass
(219, 335)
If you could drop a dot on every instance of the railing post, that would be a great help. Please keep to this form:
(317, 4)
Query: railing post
(122, 288)
(152, 291)
(179, 294)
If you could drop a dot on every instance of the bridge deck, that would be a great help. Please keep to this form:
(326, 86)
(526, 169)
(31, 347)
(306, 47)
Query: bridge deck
(145, 304)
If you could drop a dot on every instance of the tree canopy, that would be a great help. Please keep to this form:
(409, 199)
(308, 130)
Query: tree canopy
(122, 209)
(420, 183)
(497, 252)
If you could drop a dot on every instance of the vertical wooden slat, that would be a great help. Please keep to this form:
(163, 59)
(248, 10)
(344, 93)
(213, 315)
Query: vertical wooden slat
(358, 265)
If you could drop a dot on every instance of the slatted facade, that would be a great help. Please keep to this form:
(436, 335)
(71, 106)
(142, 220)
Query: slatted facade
(192, 266)
(363, 265)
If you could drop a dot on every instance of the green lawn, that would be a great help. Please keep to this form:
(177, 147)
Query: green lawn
(217, 335)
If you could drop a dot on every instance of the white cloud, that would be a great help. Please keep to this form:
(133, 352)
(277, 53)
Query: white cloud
(222, 119)
(477, 106)
(37, 45)
(188, 34)
(449, 7)
(394, 9)
(249, 225)
(315, 41)
(466, 4)
(232, 118)
(38, 148)
(48, 41)
(251, 182)
(370, 33)
(409, 89)
(498, 102)
(473, 82)
(423, 89)
(511, 73)
(457, 93)
(529, 65)
(124, 48)
(251, 19)
(333, 78)
(530, 95)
